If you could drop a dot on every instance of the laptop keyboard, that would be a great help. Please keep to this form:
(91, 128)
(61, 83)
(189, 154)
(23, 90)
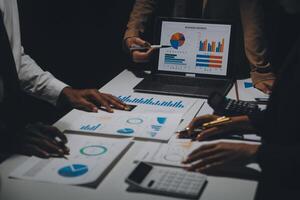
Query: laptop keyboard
(194, 82)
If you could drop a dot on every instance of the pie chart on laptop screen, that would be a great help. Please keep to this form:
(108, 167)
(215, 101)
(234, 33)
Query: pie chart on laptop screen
(177, 40)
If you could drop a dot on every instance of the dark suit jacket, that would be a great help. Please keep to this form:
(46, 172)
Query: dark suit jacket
(11, 115)
(279, 155)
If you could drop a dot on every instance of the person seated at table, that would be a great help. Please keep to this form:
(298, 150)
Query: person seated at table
(250, 13)
(19, 73)
(278, 153)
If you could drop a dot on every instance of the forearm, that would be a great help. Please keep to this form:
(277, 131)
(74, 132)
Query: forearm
(251, 12)
(140, 14)
(37, 82)
(256, 50)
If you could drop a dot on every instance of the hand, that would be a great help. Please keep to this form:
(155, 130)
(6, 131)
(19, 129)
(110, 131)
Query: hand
(90, 100)
(137, 55)
(265, 86)
(220, 153)
(41, 140)
(237, 123)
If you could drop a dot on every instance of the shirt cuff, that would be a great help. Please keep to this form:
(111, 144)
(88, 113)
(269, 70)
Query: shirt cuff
(54, 89)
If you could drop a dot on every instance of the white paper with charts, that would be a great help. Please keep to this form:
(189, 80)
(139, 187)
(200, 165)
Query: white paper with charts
(167, 154)
(157, 103)
(89, 158)
(156, 126)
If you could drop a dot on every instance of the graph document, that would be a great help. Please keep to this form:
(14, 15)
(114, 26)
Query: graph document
(155, 126)
(195, 47)
(89, 158)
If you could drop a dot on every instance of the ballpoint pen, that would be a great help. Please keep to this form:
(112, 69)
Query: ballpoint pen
(158, 46)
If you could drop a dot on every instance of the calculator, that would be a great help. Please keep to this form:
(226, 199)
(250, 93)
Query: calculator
(167, 181)
(230, 107)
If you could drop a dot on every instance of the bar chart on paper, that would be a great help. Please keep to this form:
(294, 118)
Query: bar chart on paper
(90, 127)
(151, 101)
(157, 103)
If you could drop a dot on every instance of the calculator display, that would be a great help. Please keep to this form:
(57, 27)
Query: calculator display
(140, 172)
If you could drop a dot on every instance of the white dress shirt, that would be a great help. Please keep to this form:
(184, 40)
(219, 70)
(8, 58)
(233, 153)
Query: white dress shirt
(33, 79)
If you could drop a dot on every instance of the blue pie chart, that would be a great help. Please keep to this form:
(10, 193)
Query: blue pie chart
(73, 170)
(125, 131)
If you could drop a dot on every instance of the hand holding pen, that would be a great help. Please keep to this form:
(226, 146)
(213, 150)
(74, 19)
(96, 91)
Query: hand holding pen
(140, 50)
(207, 126)
(202, 124)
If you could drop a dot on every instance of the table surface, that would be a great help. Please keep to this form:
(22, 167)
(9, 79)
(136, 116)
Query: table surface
(232, 186)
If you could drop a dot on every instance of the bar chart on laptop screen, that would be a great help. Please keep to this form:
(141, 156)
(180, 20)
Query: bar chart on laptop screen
(195, 47)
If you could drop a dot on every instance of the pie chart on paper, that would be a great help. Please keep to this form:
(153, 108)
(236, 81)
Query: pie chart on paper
(126, 131)
(177, 40)
(73, 170)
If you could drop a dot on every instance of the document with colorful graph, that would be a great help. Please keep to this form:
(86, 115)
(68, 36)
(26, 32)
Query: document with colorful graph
(156, 126)
(196, 47)
(89, 158)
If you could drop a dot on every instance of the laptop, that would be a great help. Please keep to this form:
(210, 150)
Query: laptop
(197, 61)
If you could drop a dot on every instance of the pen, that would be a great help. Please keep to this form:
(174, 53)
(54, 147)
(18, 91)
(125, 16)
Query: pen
(158, 46)
(218, 121)
(262, 99)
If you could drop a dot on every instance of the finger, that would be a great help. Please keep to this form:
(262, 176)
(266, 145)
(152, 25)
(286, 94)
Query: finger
(199, 121)
(208, 162)
(210, 132)
(87, 106)
(202, 148)
(54, 133)
(114, 102)
(262, 87)
(32, 150)
(141, 42)
(270, 87)
(201, 155)
(116, 99)
(99, 100)
(43, 134)
(45, 145)
(139, 56)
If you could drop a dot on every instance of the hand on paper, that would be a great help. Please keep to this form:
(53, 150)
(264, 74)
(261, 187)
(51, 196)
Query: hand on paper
(41, 140)
(265, 86)
(90, 100)
(220, 153)
(137, 55)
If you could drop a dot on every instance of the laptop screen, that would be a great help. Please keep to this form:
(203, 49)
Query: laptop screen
(196, 48)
